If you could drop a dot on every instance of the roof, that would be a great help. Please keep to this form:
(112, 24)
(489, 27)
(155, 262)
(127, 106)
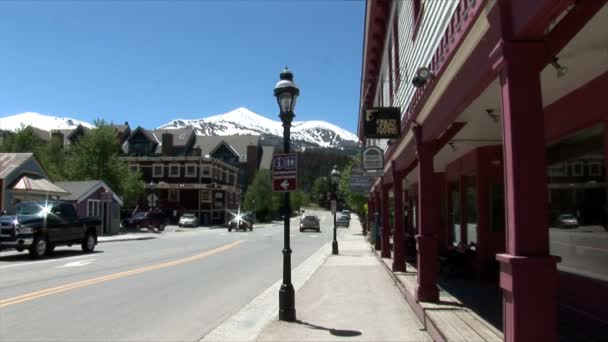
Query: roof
(148, 134)
(181, 136)
(41, 185)
(81, 190)
(266, 160)
(238, 143)
(121, 128)
(45, 135)
(11, 161)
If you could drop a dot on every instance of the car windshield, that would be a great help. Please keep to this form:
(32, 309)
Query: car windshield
(188, 216)
(140, 215)
(310, 218)
(28, 208)
(567, 217)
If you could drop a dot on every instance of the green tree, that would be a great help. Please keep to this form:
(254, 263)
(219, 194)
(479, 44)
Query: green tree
(95, 156)
(320, 188)
(357, 202)
(259, 196)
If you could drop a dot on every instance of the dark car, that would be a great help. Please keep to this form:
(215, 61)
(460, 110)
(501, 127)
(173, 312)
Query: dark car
(342, 220)
(310, 222)
(241, 222)
(41, 226)
(567, 221)
(146, 219)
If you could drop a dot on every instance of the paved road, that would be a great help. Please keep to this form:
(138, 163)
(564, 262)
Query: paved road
(177, 287)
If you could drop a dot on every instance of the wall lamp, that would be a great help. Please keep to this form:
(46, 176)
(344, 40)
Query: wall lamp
(560, 69)
(423, 74)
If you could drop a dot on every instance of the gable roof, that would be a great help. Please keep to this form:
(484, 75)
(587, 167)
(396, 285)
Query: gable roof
(9, 162)
(38, 185)
(148, 134)
(81, 190)
(181, 136)
(238, 143)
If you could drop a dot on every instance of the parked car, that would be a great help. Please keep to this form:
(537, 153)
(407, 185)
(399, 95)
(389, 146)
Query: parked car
(146, 219)
(567, 221)
(188, 220)
(342, 220)
(41, 226)
(241, 222)
(346, 212)
(310, 222)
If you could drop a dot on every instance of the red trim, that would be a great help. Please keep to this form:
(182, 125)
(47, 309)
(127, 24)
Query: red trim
(570, 25)
(533, 16)
(417, 11)
(589, 99)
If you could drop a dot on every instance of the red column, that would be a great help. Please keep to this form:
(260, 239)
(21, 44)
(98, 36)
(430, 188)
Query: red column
(386, 229)
(528, 273)
(398, 240)
(428, 222)
(377, 241)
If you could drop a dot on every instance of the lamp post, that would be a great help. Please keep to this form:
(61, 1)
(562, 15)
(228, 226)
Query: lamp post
(286, 92)
(151, 197)
(335, 178)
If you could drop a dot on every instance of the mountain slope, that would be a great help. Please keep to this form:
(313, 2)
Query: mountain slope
(242, 121)
(44, 122)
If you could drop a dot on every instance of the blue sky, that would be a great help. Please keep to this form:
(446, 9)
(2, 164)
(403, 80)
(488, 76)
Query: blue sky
(148, 62)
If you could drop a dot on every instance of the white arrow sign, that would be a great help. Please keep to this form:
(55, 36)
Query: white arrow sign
(78, 263)
(285, 184)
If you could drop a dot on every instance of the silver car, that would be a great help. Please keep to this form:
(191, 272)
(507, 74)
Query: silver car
(188, 220)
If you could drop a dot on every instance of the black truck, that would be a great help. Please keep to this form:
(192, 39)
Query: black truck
(41, 226)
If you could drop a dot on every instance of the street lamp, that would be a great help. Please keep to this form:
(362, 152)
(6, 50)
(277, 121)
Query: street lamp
(286, 92)
(335, 179)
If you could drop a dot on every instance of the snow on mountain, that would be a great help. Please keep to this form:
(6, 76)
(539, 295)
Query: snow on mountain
(44, 122)
(242, 121)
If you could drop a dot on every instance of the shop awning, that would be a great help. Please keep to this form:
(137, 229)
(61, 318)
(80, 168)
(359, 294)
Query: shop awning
(38, 186)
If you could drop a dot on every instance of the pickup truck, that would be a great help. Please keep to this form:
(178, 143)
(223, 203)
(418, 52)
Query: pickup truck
(41, 226)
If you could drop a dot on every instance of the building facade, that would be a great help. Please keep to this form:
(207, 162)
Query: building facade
(504, 139)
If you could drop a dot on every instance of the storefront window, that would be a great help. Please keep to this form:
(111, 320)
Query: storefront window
(455, 198)
(471, 210)
(577, 202)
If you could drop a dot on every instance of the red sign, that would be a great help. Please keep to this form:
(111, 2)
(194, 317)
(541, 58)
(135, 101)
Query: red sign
(284, 172)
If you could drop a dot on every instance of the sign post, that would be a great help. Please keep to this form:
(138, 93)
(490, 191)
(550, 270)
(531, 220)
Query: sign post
(285, 172)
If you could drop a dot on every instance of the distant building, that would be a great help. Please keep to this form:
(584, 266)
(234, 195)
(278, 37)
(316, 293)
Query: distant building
(95, 198)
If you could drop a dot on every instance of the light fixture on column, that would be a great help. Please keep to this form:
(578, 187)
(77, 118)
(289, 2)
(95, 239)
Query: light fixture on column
(560, 69)
(492, 115)
(423, 74)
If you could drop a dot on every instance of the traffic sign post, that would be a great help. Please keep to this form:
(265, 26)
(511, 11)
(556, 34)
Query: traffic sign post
(285, 172)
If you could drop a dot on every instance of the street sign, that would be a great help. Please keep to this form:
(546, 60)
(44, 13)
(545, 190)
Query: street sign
(285, 172)
(373, 158)
(361, 184)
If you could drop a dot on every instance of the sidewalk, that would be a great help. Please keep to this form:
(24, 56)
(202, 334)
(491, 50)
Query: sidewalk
(349, 297)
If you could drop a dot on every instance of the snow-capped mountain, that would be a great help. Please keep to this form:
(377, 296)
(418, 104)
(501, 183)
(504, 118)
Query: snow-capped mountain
(44, 122)
(242, 121)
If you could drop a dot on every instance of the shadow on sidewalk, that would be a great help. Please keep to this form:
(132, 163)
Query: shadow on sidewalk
(335, 332)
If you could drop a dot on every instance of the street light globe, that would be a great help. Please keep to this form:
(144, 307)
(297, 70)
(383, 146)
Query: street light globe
(286, 92)
(335, 175)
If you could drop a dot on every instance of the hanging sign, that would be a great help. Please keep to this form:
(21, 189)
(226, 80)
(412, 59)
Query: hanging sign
(373, 158)
(382, 123)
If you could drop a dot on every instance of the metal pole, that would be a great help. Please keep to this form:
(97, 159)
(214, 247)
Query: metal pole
(287, 310)
(334, 243)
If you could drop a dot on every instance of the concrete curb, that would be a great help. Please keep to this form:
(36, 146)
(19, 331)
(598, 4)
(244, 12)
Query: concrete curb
(248, 323)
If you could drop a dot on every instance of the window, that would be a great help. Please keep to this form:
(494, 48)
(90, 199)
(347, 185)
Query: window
(470, 204)
(558, 170)
(174, 170)
(417, 12)
(577, 169)
(206, 171)
(205, 196)
(133, 168)
(595, 169)
(158, 170)
(455, 198)
(173, 195)
(224, 178)
(190, 170)
(94, 208)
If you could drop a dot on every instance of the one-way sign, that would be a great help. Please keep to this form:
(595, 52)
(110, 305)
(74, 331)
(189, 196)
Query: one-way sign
(284, 172)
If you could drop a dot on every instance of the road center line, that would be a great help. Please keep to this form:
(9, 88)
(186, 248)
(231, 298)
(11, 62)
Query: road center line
(83, 283)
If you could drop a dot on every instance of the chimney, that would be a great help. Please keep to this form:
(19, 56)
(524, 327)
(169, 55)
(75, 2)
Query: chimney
(57, 138)
(167, 141)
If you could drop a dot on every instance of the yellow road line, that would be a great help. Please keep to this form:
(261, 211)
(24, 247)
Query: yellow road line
(83, 283)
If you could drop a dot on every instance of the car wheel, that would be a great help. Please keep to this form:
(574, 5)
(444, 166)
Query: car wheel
(229, 230)
(161, 227)
(39, 247)
(88, 244)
